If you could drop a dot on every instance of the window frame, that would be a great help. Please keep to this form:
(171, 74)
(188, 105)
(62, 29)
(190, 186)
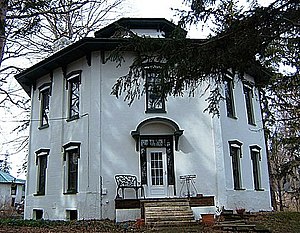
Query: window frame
(73, 80)
(255, 153)
(235, 151)
(71, 176)
(154, 70)
(41, 163)
(13, 189)
(248, 93)
(44, 97)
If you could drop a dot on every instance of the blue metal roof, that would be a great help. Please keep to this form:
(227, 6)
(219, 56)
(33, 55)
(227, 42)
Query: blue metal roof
(7, 178)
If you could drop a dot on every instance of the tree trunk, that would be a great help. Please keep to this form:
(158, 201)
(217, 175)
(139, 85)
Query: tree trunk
(3, 9)
(280, 195)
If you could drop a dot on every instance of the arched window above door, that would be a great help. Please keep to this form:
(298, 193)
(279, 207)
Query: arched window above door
(157, 126)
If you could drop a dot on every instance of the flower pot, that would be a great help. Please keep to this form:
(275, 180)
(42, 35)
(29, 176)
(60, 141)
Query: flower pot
(208, 219)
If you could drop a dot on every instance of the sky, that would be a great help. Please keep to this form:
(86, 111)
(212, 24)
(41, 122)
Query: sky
(135, 8)
(162, 9)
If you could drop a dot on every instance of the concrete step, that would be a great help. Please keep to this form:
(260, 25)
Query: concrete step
(168, 213)
(167, 208)
(173, 213)
(166, 203)
(172, 223)
(169, 219)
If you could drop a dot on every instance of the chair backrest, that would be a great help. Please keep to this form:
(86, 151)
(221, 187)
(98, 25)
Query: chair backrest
(126, 180)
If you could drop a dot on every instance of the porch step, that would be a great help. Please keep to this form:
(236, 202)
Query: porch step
(168, 213)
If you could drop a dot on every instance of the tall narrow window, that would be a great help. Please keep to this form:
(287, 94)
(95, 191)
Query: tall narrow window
(236, 154)
(228, 85)
(249, 104)
(155, 98)
(41, 161)
(45, 93)
(74, 80)
(71, 157)
(256, 158)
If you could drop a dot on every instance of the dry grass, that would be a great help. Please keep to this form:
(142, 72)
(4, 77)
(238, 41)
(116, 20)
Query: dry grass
(287, 222)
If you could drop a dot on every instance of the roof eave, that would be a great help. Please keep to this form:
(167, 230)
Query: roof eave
(63, 57)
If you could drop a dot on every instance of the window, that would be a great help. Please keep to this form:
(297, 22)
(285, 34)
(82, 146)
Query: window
(13, 189)
(71, 156)
(41, 162)
(228, 84)
(256, 158)
(37, 214)
(236, 154)
(155, 98)
(71, 215)
(73, 85)
(45, 93)
(249, 104)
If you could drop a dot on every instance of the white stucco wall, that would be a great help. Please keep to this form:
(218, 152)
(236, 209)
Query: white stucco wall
(107, 148)
(249, 135)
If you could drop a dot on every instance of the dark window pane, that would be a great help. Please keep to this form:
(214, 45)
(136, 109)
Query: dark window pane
(38, 214)
(45, 97)
(256, 169)
(154, 90)
(236, 170)
(73, 215)
(249, 104)
(42, 174)
(13, 189)
(74, 97)
(228, 83)
(72, 170)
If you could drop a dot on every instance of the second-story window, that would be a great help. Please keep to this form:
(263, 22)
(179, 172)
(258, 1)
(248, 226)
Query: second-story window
(45, 92)
(155, 98)
(248, 92)
(74, 80)
(229, 98)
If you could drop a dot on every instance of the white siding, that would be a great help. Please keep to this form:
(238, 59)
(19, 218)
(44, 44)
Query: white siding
(107, 147)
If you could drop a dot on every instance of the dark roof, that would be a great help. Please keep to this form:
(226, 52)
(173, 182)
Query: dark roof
(7, 178)
(63, 57)
(104, 42)
(139, 23)
(85, 46)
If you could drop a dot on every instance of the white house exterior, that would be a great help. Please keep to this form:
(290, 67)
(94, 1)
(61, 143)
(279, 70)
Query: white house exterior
(12, 190)
(81, 137)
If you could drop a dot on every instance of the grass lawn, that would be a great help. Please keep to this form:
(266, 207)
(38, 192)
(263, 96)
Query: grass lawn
(283, 222)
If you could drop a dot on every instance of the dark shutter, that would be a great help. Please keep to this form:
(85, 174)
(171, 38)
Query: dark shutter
(143, 156)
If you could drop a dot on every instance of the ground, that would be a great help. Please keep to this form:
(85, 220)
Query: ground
(287, 222)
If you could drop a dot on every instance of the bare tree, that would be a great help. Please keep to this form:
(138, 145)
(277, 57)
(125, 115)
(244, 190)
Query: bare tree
(32, 30)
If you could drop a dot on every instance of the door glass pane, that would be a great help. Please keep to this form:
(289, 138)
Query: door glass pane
(156, 168)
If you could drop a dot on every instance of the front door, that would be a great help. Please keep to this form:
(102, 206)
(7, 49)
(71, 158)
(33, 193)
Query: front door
(157, 172)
